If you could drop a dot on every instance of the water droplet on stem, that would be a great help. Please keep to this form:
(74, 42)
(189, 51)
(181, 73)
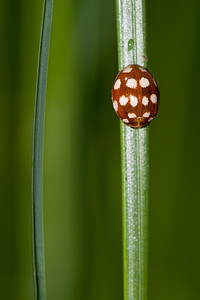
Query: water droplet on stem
(130, 44)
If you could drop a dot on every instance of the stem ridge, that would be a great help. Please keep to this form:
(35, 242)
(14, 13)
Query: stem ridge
(135, 159)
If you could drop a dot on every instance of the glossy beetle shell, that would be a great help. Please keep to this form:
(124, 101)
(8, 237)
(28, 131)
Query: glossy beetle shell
(135, 96)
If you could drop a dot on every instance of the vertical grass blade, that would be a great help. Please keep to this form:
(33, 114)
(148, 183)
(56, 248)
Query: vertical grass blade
(135, 158)
(37, 160)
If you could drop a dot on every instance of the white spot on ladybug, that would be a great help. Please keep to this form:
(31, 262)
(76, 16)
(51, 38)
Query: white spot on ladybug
(131, 83)
(142, 69)
(127, 70)
(145, 100)
(134, 100)
(153, 98)
(150, 119)
(146, 114)
(125, 120)
(117, 84)
(132, 115)
(144, 82)
(123, 100)
(115, 105)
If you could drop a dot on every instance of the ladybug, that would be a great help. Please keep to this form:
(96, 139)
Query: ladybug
(135, 96)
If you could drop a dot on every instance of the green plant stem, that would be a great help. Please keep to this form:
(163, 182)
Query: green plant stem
(37, 161)
(135, 158)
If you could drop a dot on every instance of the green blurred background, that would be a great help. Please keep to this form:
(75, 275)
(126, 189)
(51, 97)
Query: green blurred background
(82, 194)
